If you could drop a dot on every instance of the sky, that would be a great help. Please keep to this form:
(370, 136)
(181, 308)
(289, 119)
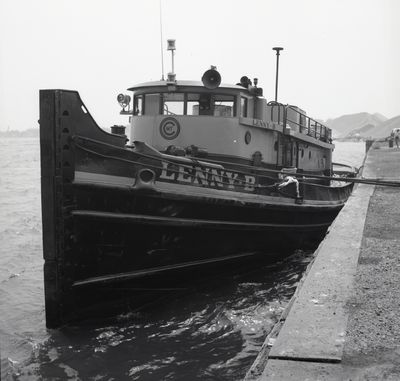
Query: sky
(340, 56)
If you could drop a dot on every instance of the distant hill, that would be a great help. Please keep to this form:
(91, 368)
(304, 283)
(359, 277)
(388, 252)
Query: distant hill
(350, 124)
(380, 116)
(384, 129)
(29, 133)
(364, 131)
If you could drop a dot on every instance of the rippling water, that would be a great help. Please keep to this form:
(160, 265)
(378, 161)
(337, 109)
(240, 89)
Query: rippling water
(212, 331)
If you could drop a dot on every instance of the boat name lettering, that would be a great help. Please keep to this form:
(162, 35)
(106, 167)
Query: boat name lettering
(211, 177)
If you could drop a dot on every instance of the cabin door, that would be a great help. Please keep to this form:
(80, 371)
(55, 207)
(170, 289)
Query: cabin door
(295, 158)
(287, 156)
(281, 154)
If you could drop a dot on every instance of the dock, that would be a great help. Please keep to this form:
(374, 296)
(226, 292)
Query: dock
(343, 322)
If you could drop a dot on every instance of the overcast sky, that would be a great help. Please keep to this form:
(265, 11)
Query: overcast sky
(340, 56)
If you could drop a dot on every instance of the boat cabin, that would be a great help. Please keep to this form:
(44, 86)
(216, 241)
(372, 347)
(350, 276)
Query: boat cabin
(230, 123)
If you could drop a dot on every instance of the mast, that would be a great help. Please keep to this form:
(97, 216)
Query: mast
(277, 49)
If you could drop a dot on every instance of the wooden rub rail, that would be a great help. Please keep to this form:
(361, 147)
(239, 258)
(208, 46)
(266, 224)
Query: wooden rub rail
(188, 222)
(151, 271)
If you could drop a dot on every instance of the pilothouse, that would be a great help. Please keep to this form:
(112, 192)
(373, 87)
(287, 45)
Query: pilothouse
(233, 123)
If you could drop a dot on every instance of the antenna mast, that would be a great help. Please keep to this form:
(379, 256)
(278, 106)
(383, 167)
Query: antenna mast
(161, 43)
(277, 49)
(171, 47)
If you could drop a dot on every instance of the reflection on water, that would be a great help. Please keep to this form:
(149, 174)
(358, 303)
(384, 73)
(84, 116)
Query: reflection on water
(210, 331)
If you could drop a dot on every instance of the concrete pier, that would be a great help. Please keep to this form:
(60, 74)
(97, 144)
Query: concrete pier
(343, 322)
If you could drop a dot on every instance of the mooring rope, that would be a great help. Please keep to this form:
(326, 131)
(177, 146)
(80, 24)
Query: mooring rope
(168, 161)
(242, 183)
(300, 176)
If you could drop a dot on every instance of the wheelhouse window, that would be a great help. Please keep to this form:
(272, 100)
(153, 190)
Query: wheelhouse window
(243, 107)
(138, 105)
(172, 103)
(152, 102)
(222, 105)
(210, 104)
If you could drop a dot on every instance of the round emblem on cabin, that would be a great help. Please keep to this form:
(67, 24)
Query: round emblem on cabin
(169, 128)
(247, 137)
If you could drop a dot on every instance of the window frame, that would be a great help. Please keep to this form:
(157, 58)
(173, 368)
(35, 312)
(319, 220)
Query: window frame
(142, 95)
(244, 111)
(162, 102)
(135, 104)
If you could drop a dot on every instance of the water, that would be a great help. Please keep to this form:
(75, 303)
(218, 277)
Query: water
(350, 153)
(211, 332)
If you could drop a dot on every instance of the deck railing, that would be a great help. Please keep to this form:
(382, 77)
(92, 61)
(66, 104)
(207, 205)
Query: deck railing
(288, 115)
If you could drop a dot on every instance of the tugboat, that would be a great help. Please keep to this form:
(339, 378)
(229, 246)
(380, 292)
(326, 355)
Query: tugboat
(212, 173)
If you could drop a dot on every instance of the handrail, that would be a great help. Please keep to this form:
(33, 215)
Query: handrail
(306, 125)
(280, 105)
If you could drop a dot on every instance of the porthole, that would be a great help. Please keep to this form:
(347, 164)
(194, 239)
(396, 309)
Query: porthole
(247, 137)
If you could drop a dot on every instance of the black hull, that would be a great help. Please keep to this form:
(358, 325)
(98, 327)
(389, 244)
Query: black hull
(108, 230)
(143, 243)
